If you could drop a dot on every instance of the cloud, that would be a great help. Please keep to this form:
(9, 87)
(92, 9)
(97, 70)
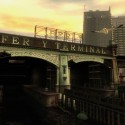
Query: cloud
(27, 24)
(24, 24)
(23, 15)
(61, 6)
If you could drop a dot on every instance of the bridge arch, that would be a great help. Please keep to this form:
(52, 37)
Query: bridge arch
(84, 58)
(24, 70)
(89, 74)
(52, 58)
(36, 53)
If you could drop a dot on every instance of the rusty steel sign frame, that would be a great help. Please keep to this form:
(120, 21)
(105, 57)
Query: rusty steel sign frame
(57, 34)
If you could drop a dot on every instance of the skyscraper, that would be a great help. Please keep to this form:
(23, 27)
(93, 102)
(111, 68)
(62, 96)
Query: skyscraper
(118, 35)
(95, 21)
(116, 21)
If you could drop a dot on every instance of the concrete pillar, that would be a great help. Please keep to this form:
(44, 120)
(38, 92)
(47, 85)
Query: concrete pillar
(57, 78)
(74, 105)
(64, 73)
(68, 78)
(115, 70)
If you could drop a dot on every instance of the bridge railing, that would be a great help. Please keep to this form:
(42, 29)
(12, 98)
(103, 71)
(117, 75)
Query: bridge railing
(99, 109)
(57, 34)
(97, 98)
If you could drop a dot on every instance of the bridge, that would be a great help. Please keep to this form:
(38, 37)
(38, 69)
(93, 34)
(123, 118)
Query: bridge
(56, 54)
(53, 65)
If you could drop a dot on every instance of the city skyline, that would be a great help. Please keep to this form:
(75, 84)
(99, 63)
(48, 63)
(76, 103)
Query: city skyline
(21, 16)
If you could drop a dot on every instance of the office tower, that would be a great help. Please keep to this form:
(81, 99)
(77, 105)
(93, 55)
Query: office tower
(95, 21)
(116, 21)
(118, 35)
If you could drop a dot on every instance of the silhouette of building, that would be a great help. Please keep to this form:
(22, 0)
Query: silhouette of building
(118, 34)
(116, 21)
(95, 21)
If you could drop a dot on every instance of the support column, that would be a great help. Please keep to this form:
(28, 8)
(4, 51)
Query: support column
(115, 71)
(68, 75)
(115, 67)
(57, 84)
(74, 104)
(64, 73)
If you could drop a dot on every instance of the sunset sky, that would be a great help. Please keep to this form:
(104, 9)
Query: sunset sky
(21, 16)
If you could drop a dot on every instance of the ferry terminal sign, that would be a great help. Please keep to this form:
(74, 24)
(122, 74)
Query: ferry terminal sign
(24, 41)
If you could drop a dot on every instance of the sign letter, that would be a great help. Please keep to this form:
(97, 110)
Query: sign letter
(98, 51)
(44, 43)
(15, 40)
(80, 48)
(26, 41)
(91, 50)
(103, 52)
(73, 47)
(4, 38)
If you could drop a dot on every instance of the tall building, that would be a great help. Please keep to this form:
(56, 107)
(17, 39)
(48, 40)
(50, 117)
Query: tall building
(118, 35)
(116, 21)
(95, 21)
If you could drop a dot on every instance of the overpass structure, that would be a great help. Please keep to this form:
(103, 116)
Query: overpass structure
(86, 77)
(61, 55)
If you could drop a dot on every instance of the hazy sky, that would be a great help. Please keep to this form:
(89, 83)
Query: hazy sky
(21, 16)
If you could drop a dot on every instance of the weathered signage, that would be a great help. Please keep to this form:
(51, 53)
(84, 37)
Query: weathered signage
(25, 41)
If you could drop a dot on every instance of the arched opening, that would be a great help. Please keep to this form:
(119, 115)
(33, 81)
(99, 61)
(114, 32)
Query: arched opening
(89, 74)
(28, 71)
(16, 74)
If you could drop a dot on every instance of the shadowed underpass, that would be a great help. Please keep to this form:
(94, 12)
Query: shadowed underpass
(18, 110)
(16, 106)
